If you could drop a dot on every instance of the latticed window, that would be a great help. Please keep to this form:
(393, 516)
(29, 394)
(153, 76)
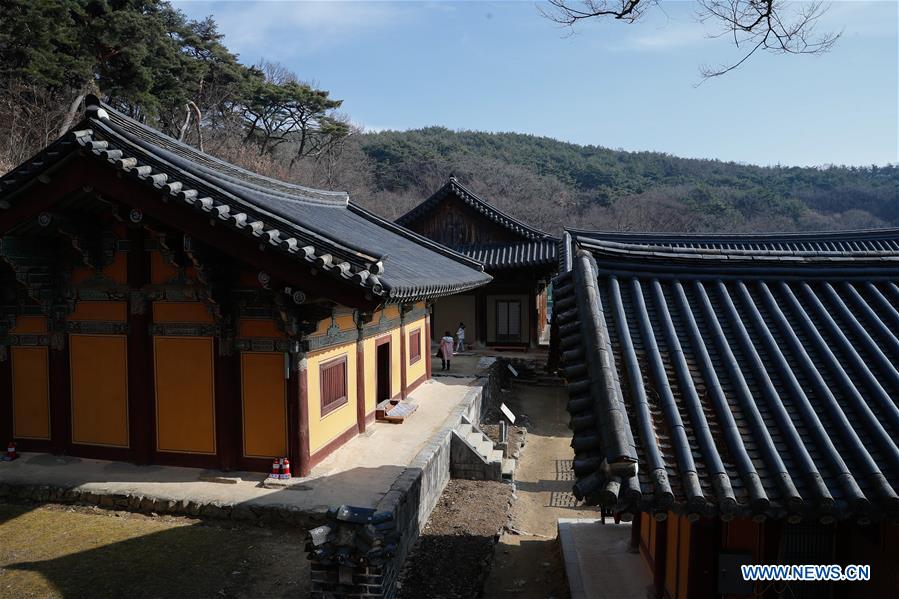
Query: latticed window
(414, 346)
(508, 320)
(333, 384)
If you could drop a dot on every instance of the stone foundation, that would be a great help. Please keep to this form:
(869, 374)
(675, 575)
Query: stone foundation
(360, 553)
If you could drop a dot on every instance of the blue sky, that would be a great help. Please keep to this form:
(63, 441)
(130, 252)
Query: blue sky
(500, 66)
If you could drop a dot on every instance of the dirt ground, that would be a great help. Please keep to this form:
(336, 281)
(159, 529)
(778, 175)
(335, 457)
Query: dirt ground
(52, 551)
(527, 560)
(453, 553)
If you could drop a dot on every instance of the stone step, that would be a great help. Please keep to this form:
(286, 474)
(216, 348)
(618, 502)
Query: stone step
(485, 448)
(495, 455)
(464, 429)
(474, 438)
(508, 468)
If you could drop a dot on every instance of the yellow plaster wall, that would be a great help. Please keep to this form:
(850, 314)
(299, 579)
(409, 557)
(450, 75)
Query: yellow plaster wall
(344, 322)
(371, 373)
(258, 327)
(99, 310)
(415, 371)
(450, 311)
(323, 430)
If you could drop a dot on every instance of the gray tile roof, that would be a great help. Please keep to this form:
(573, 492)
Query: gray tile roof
(512, 255)
(750, 379)
(317, 226)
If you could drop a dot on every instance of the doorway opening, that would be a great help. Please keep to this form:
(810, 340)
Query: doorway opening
(383, 370)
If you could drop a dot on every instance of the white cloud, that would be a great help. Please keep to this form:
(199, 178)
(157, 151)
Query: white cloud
(283, 28)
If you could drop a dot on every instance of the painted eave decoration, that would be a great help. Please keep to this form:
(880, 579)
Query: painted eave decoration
(535, 248)
(727, 376)
(322, 228)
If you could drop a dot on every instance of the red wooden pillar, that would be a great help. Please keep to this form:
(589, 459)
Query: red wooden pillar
(141, 381)
(302, 409)
(533, 333)
(480, 317)
(228, 409)
(60, 405)
(293, 414)
(6, 414)
(402, 353)
(659, 562)
(427, 344)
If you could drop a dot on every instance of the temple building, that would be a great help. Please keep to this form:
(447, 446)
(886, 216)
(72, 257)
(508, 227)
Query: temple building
(736, 398)
(511, 311)
(158, 305)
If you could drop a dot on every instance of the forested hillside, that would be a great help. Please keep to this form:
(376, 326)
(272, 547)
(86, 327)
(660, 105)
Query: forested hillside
(148, 60)
(549, 182)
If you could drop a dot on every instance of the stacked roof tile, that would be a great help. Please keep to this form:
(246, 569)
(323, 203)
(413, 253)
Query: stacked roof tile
(754, 375)
(319, 227)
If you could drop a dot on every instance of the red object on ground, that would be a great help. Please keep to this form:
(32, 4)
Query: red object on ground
(11, 451)
(285, 468)
(276, 469)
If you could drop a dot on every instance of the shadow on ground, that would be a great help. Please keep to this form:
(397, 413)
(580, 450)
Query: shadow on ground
(55, 551)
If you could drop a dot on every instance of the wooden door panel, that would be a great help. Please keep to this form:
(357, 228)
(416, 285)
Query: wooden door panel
(30, 393)
(185, 392)
(264, 398)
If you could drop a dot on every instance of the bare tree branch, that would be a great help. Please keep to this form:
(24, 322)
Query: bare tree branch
(776, 26)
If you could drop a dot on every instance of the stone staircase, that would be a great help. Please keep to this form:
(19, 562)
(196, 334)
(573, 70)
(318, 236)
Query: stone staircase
(474, 457)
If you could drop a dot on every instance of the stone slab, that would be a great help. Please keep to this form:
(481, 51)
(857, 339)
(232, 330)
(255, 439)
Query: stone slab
(598, 561)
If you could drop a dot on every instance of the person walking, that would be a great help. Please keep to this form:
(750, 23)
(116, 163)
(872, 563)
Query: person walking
(446, 350)
(460, 336)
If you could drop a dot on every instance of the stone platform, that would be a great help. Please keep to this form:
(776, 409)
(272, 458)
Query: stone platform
(360, 473)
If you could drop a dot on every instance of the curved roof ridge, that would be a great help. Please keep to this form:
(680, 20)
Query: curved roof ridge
(765, 236)
(210, 162)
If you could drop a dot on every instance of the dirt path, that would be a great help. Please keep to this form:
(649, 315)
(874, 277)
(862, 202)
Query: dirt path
(529, 564)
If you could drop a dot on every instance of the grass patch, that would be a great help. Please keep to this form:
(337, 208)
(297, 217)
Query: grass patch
(64, 551)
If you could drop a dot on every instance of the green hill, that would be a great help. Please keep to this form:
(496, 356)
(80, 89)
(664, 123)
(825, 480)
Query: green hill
(551, 183)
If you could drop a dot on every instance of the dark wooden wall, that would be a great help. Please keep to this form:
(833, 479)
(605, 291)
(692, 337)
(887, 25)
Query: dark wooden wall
(454, 223)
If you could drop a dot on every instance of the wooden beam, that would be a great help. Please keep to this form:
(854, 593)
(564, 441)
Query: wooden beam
(74, 176)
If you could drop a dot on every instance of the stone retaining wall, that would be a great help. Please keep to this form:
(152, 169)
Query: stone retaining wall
(271, 514)
(351, 557)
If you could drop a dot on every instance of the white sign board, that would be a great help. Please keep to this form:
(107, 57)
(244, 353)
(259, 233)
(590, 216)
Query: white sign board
(507, 412)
